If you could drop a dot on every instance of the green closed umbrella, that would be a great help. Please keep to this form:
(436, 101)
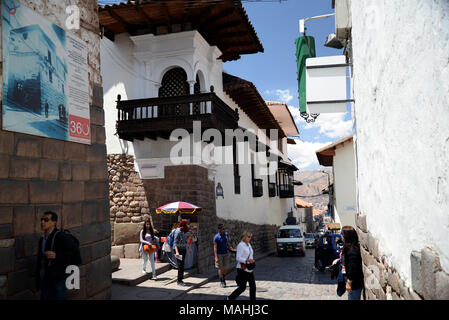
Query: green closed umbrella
(305, 48)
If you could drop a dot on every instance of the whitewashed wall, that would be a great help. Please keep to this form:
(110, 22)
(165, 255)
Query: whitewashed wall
(345, 205)
(401, 91)
(121, 75)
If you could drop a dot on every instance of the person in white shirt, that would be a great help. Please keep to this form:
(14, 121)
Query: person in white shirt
(245, 255)
(147, 237)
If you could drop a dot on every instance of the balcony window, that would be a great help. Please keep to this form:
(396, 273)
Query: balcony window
(286, 188)
(272, 189)
(257, 187)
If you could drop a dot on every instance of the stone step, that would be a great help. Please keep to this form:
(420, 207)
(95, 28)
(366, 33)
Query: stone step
(130, 272)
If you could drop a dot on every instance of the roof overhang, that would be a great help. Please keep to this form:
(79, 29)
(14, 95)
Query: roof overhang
(285, 165)
(224, 24)
(302, 204)
(283, 116)
(245, 94)
(326, 155)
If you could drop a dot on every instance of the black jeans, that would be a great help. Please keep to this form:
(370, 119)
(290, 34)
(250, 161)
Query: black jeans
(51, 290)
(182, 251)
(241, 279)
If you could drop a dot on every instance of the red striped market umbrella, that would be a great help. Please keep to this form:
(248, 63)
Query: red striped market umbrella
(179, 207)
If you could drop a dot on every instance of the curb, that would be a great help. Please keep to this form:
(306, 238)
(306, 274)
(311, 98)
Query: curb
(215, 276)
(142, 278)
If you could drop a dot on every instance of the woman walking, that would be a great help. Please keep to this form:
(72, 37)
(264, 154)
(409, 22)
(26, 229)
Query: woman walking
(244, 257)
(148, 246)
(352, 261)
(180, 245)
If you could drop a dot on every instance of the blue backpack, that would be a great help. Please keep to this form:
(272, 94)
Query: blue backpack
(171, 238)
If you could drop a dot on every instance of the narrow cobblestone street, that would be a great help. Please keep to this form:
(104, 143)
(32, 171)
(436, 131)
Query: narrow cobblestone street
(277, 278)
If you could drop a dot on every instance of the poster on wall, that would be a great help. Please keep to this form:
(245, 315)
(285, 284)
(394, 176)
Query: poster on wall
(45, 77)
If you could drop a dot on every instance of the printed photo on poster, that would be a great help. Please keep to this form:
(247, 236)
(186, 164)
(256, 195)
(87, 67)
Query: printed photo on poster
(45, 80)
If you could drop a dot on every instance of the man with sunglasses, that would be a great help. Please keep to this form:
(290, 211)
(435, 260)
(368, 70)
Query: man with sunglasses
(52, 260)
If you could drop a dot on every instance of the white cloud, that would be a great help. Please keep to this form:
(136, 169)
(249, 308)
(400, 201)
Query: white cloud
(303, 153)
(284, 95)
(331, 125)
(296, 114)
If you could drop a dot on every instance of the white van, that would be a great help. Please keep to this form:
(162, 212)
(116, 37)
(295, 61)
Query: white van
(290, 239)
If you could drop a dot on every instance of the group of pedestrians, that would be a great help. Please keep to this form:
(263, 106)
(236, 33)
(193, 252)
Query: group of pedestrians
(55, 252)
(350, 272)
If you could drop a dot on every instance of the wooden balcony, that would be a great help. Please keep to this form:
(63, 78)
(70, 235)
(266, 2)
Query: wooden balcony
(286, 191)
(257, 187)
(158, 117)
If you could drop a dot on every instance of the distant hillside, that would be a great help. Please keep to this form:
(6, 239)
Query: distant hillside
(313, 183)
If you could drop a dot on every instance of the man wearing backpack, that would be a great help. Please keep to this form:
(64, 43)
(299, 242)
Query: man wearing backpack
(56, 252)
(221, 248)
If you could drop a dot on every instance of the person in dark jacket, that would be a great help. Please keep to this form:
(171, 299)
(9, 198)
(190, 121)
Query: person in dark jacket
(52, 260)
(352, 261)
(179, 245)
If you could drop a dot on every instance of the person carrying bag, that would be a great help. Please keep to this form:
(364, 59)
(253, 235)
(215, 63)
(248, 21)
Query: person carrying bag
(245, 268)
(148, 247)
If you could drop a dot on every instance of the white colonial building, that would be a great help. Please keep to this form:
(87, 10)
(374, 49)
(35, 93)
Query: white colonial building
(195, 133)
(340, 155)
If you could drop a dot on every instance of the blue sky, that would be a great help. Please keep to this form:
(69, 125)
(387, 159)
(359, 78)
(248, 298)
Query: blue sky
(274, 71)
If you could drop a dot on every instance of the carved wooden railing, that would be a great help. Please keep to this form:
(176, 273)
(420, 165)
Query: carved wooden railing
(169, 113)
(286, 191)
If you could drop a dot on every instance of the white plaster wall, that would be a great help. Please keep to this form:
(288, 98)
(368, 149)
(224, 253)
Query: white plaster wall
(121, 74)
(401, 91)
(344, 184)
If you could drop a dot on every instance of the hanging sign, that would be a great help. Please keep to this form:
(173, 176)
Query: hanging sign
(326, 84)
(45, 77)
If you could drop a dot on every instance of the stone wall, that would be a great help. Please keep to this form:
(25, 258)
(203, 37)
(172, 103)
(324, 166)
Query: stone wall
(263, 240)
(383, 282)
(127, 200)
(39, 174)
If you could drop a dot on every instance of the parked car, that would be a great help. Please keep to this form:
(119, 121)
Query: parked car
(327, 250)
(290, 240)
(310, 240)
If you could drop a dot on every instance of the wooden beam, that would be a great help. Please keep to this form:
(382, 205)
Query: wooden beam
(128, 27)
(210, 19)
(229, 24)
(230, 43)
(202, 15)
(186, 15)
(167, 15)
(227, 35)
(145, 16)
